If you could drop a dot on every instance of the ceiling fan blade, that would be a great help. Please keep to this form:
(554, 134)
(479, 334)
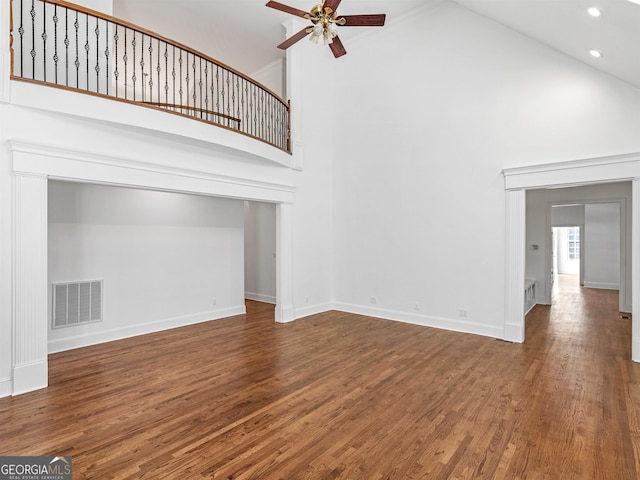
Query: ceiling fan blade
(294, 38)
(364, 20)
(332, 4)
(286, 8)
(337, 48)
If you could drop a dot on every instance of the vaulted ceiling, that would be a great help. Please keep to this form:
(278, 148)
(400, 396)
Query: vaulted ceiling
(244, 33)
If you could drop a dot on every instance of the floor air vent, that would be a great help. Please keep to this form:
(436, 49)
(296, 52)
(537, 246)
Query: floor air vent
(77, 303)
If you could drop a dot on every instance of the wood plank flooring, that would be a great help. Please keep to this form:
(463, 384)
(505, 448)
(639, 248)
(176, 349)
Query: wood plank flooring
(342, 396)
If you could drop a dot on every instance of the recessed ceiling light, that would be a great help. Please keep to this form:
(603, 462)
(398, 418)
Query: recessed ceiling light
(635, 1)
(595, 12)
(595, 53)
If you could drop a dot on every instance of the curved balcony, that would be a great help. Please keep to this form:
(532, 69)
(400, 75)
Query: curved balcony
(67, 46)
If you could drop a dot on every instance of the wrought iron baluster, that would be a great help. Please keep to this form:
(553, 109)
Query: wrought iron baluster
(55, 42)
(173, 75)
(133, 77)
(217, 93)
(180, 91)
(77, 62)
(142, 66)
(166, 73)
(195, 96)
(116, 72)
(150, 49)
(107, 53)
(21, 32)
(206, 89)
(236, 92)
(125, 59)
(33, 41)
(66, 46)
(44, 41)
(200, 83)
(97, 68)
(158, 70)
(87, 47)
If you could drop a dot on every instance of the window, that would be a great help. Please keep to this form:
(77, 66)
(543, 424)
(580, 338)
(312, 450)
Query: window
(574, 243)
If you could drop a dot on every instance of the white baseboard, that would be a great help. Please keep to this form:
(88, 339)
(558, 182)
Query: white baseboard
(85, 340)
(28, 377)
(259, 297)
(635, 350)
(6, 387)
(603, 285)
(423, 320)
(312, 310)
(513, 332)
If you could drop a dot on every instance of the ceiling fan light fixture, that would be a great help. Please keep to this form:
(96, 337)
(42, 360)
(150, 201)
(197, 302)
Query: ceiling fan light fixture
(325, 22)
(316, 32)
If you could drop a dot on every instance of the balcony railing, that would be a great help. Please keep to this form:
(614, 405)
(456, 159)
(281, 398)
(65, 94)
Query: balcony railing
(69, 46)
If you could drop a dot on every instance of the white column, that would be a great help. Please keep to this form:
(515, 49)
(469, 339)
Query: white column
(30, 369)
(284, 263)
(635, 270)
(514, 266)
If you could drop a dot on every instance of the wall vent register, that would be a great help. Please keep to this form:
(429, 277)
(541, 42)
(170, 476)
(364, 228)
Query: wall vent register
(77, 303)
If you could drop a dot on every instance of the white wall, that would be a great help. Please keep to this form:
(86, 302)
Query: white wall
(602, 245)
(272, 76)
(422, 131)
(166, 259)
(260, 251)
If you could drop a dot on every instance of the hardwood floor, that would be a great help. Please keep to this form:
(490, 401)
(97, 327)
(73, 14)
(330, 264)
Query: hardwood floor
(342, 396)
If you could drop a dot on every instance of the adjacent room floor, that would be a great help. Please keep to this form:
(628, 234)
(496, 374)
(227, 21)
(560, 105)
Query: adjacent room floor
(345, 396)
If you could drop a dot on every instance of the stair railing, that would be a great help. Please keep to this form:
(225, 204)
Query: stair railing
(72, 47)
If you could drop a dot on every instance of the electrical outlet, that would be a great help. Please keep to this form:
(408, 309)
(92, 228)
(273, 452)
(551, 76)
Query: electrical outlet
(463, 313)
(417, 306)
(215, 301)
(373, 300)
(306, 299)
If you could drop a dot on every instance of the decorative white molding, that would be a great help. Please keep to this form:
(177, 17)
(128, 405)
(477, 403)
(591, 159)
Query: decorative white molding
(575, 172)
(514, 266)
(84, 340)
(455, 325)
(35, 159)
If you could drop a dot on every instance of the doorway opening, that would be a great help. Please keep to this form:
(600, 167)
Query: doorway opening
(260, 251)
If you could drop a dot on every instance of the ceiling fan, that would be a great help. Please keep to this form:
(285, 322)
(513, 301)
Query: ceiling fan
(325, 24)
